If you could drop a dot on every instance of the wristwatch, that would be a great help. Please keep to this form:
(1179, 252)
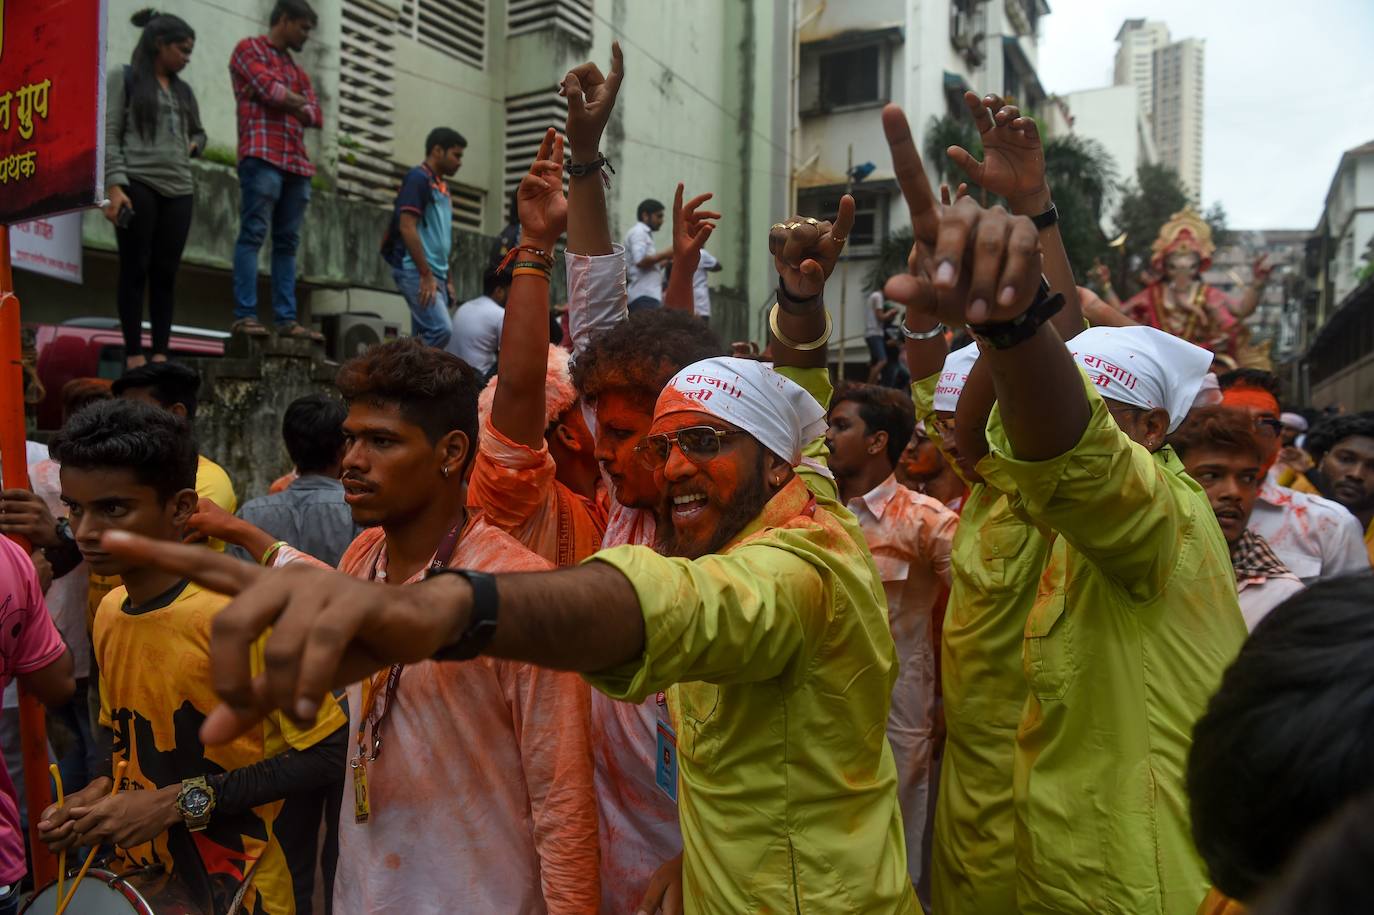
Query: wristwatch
(481, 623)
(1006, 334)
(195, 803)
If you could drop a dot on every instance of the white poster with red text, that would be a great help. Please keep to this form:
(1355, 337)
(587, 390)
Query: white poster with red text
(49, 246)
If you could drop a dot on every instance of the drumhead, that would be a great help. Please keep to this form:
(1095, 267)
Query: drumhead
(100, 893)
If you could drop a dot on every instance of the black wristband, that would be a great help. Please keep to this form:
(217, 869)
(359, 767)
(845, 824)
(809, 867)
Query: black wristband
(1046, 219)
(482, 620)
(786, 299)
(579, 169)
(1006, 334)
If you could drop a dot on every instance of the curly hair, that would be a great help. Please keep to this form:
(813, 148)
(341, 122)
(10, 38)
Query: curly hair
(156, 445)
(434, 390)
(638, 356)
(1220, 428)
(882, 410)
(1325, 434)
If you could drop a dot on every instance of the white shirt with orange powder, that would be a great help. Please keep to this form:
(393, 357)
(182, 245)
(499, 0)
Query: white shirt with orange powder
(481, 796)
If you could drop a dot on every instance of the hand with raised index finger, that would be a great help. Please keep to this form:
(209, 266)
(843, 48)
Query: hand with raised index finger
(1013, 159)
(591, 98)
(806, 250)
(911, 175)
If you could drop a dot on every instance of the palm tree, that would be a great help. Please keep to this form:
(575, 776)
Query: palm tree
(1081, 172)
(941, 134)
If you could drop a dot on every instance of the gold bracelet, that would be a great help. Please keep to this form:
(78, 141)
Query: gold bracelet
(272, 552)
(792, 344)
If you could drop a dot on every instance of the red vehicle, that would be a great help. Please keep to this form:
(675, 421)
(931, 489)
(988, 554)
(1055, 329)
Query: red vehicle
(94, 348)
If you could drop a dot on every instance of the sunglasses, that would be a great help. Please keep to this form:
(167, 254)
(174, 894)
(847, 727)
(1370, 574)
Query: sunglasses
(698, 444)
(1272, 426)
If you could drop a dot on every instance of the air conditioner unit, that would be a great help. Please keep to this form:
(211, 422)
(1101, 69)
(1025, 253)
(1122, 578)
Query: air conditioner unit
(351, 333)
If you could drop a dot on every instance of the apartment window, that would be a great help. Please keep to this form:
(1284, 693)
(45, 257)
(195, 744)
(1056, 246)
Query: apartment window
(852, 77)
(457, 28)
(870, 214)
(366, 132)
(571, 16)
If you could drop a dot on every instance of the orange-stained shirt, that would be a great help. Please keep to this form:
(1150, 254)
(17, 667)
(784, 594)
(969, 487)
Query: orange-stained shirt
(909, 535)
(516, 489)
(481, 795)
(1218, 904)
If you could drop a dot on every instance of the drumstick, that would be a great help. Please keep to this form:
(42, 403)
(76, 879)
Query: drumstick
(62, 856)
(81, 874)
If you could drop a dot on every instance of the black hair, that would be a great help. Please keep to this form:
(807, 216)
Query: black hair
(293, 9)
(494, 279)
(159, 29)
(171, 383)
(1326, 434)
(648, 205)
(1255, 378)
(1288, 737)
(157, 446)
(882, 410)
(1218, 428)
(445, 138)
(1333, 872)
(640, 354)
(313, 431)
(434, 389)
(514, 218)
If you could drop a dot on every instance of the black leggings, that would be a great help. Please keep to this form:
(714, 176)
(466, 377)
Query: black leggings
(149, 255)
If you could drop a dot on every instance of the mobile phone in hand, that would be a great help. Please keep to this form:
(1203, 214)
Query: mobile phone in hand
(124, 217)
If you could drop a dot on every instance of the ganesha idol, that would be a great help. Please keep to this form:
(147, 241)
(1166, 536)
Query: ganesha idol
(1185, 306)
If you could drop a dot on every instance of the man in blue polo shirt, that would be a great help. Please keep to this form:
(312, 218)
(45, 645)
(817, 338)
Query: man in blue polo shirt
(420, 238)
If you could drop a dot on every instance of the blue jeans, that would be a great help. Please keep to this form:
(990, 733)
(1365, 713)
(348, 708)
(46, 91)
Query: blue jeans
(269, 196)
(432, 323)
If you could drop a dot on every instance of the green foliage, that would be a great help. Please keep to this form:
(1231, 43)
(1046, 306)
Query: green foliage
(1146, 205)
(1080, 172)
(941, 134)
(892, 258)
(221, 155)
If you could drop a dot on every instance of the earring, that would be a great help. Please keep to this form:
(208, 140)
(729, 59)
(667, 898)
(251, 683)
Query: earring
(445, 471)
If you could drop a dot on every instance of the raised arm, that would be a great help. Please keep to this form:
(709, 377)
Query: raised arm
(1249, 299)
(518, 404)
(805, 252)
(1013, 166)
(691, 229)
(596, 273)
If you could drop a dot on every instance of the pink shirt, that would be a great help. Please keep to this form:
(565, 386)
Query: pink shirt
(28, 642)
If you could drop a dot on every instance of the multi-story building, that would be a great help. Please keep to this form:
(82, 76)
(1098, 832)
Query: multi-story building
(1138, 39)
(1337, 326)
(705, 102)
(854, 58)
(1112, 116)
(1168, 79)
(1177, 114)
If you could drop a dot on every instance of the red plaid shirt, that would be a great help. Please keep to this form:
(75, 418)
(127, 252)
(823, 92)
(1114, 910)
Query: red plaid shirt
(262, 76)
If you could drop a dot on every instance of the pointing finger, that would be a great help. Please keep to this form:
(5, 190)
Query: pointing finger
(911, 174)
(844, 220)
(213, 571)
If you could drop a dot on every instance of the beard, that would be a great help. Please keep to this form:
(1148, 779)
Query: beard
(735, 516)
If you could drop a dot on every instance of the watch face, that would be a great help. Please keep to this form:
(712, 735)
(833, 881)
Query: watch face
(196, 802)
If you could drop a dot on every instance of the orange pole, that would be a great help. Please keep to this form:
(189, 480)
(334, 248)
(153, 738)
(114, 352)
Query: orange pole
(14, 467)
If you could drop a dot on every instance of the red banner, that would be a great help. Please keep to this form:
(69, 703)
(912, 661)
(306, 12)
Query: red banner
(52, 100)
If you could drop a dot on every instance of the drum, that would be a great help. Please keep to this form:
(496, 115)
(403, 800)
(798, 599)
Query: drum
(105, 893)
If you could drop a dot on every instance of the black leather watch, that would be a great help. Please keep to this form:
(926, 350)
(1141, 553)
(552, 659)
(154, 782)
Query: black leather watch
(1006, 334)
(1047, 218)
(481, 624)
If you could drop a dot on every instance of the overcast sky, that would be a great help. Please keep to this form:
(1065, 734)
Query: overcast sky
(1289, 87)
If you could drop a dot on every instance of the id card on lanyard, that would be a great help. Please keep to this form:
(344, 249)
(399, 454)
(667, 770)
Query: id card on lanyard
(379, 692)
(665, 752)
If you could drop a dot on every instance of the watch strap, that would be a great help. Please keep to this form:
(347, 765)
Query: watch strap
(482, 621)
(1006, 334)
(1046, 219)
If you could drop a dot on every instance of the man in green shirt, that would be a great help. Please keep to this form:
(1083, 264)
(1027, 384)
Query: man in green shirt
(766, 627)
(1131, 629)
